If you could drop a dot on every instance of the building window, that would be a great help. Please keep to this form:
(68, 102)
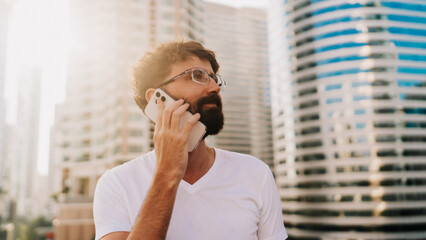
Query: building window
(333, 87)
(414, 124)
(413, 138)
(359, 111)
(413, 153)
(384, 125)
(385, 138)
(384, 110)
(333, 100)
(135, 149)
(309, 117)
(83, 186)
(360, 125)
(387, 153)
(135, 133)
(309, 130)
(309, 144)
(307, 91)
(413, 97)
(308, 104)
(357, 98)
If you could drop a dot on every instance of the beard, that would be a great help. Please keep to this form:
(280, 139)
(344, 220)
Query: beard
(211, 117)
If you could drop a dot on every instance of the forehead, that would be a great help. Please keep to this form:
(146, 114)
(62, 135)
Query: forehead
(189, 63)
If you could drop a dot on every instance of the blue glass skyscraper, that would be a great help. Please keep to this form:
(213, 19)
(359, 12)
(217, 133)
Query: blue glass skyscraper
(349, 116)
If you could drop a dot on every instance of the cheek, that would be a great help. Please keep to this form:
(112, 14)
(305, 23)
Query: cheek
(192, 105)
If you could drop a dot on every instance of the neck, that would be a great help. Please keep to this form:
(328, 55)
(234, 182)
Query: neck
(199, 162)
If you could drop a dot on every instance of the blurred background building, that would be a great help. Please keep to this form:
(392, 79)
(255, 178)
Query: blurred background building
(4, 22)
(24, 188)
(349, 117)
(4, 177)
(239, 38)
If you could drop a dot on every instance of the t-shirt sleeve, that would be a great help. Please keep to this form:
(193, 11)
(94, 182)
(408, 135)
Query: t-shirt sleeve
(271, 224)
(109, 207)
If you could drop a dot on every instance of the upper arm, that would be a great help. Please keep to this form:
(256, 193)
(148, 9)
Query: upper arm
(116, 236)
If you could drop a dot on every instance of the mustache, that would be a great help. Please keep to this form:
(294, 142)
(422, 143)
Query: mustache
(215, 99)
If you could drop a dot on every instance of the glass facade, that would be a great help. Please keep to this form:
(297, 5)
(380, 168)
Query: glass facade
(349, 116)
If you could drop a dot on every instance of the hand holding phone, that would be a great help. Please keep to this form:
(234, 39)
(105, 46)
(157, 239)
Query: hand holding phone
(151, 111)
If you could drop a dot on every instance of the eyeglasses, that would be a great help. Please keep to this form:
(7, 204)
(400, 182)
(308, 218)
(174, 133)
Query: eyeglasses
(200, 76)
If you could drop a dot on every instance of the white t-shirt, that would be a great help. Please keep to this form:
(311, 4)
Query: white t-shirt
(236, 199)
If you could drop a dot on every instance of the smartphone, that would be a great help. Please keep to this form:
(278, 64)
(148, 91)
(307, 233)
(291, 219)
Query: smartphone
(151, 110)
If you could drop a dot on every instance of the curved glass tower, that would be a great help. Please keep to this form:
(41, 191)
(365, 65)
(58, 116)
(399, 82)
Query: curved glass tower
(349, 117)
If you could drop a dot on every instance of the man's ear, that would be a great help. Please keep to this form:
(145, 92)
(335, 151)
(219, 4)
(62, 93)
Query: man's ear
(148, 94)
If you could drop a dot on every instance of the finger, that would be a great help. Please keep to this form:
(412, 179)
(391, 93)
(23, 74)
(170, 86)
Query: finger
(190, 124)
(177, 116)
(160, 110)
(168, 111)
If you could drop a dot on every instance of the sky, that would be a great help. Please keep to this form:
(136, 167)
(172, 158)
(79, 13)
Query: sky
(39, 36)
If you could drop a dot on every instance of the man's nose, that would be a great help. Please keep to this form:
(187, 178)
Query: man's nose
(213, 86)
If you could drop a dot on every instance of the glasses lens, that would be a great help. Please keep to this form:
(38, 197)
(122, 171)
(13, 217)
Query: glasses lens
(215, 78)
(200, 76)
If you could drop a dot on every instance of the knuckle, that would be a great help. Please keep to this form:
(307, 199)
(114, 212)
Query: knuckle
(177, 114)
(181, 139)
(167, 111)
(192, 121)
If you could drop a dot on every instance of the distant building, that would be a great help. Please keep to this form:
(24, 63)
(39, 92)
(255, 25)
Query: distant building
(23, 183)
(239, 38)
(349, 117)
(5, 11)
(7, 158)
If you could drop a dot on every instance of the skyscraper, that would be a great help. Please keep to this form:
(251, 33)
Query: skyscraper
(24, 162)
(349, 117)
(4, 22)
(239, 38)
(99, 126)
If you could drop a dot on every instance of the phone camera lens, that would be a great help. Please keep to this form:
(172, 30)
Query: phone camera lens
(158, 94)
(163, 98)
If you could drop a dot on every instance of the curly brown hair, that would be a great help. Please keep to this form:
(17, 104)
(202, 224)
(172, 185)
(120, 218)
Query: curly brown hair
(154, 66)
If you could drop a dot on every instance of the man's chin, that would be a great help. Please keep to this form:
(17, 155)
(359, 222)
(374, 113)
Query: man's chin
(214, 122)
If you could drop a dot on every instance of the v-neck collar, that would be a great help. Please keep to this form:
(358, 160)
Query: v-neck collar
(192, 188)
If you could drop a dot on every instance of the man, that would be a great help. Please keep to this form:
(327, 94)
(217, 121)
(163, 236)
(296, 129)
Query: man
(169, 193)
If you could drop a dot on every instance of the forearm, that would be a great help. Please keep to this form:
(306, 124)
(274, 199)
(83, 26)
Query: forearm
(154, 217)
(170, 143)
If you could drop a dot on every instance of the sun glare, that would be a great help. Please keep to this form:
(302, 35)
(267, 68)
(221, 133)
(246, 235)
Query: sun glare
(38, 37)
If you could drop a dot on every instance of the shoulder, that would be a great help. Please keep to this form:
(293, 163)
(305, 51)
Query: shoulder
(143, 166)
(145, 162)
(242, 162)
(240, 158)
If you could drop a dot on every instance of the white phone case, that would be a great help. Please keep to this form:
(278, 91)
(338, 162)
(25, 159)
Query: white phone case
(151, 110)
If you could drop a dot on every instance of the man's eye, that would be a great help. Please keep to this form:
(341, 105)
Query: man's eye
(198, 74)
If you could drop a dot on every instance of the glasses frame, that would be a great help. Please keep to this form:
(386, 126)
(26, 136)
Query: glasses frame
(220, 82)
